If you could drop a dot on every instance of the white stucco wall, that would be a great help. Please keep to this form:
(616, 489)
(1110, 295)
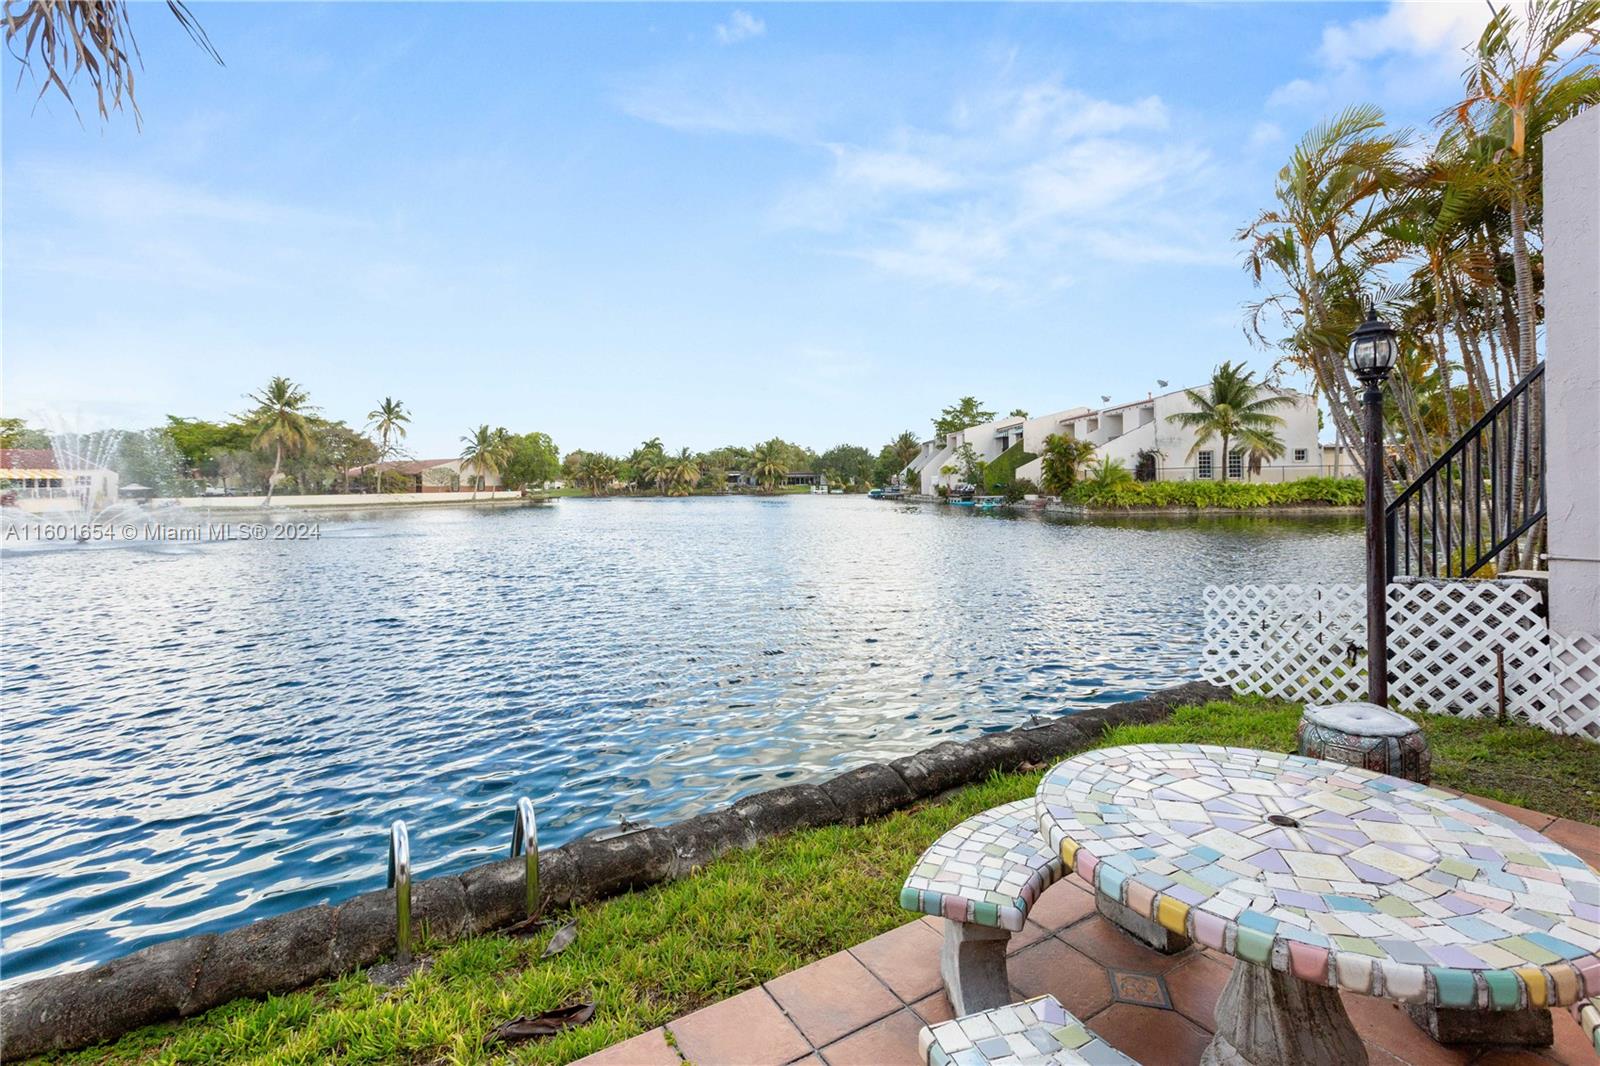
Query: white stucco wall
(1572, 370)
(1123, 431)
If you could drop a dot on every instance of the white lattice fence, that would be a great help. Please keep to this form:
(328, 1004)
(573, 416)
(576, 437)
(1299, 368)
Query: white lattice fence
(1450, 645)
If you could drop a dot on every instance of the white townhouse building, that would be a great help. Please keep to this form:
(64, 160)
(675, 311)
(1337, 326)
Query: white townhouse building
(1135, 431)
(989, 441)
(1144, 429)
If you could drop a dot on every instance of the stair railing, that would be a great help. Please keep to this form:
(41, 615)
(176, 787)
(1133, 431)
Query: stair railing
(1477, 499)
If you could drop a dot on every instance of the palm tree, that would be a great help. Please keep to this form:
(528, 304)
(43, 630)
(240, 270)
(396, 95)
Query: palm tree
(389, 419)
(1106, 476)
(905, 448)
(767, 466)
(647, 464)
(486, 451)
(597, 471)
(1237, 408)
(93, 36)
(280, 421)
(682, 471)
(1319, 240)
(1526, 78)
(1063, 456)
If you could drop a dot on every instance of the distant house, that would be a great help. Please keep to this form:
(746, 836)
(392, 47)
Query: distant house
(427, 475)
(36, 474)
(740, 479)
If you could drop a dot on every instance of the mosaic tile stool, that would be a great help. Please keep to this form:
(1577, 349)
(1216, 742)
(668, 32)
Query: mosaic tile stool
(1038, 1032)
(982, 877)
(1366, 735)
(1588, 1015)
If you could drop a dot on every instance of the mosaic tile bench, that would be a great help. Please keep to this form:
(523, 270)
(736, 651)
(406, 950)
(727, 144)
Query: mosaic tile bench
(1038, 1032)
(982, 877)
(1322, 877)
(1588, 1015)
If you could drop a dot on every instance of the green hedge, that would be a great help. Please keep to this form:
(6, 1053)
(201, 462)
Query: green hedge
(1311, 491)
(998, 474)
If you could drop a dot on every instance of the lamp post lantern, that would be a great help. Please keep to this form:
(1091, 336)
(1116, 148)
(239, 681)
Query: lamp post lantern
(1373, 350)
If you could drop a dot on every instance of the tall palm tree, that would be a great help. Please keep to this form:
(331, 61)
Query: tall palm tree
(648, 464)
(388, 419)
(1237, 409)
(597, 471)
(279, 421)
(682, 471)
(486, 451)
(905, 448)
(767, 466)
(1529, 73)
(1061, 461)
(1319, 240)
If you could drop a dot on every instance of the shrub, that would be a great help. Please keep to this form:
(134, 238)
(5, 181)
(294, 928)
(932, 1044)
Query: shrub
(999, 474)
(1201, 495)
(1062, 458)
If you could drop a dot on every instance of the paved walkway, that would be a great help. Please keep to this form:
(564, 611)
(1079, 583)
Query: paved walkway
(863, 1007)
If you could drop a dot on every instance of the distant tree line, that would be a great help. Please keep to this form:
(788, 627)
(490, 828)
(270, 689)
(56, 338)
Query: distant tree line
(283, 444)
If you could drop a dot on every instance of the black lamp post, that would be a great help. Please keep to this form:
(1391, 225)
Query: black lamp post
(1372, 354)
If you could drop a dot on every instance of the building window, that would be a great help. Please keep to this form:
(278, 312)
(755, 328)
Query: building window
(1300, 455)
(1236, 466)
(1202, 466)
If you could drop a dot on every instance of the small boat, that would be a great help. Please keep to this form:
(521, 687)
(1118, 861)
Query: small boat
(988, 503)
(874, 494)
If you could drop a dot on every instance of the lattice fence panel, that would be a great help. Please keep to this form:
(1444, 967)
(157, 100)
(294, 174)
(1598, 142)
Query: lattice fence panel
(1448, 641)
(1300, 642)
(1450, 645)
(1575, 684)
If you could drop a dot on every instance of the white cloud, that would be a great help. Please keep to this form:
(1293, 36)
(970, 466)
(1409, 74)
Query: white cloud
(1410, 55)
(1265, 134)
(1018, 182)
(1012, 187)
(1406, 28)
(741, 26)
(891, 170)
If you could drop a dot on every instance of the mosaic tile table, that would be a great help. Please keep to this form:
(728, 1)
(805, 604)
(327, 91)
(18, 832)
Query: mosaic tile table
(1326, 877)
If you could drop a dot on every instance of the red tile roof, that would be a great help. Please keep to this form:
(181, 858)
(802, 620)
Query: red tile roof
(27, 459)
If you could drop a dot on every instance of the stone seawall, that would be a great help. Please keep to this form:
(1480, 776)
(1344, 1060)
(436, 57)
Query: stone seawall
(185, 977)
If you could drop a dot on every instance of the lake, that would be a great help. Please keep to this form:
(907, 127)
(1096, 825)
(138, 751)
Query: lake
(201, 734)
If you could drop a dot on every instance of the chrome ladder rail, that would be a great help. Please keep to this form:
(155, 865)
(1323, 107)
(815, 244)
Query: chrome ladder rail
(400, 881)
(525, 841)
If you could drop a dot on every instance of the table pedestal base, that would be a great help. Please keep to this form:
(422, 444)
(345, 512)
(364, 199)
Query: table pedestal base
(1265, 1018)
(973, 965)
(1519, 1028)
(1152, 934)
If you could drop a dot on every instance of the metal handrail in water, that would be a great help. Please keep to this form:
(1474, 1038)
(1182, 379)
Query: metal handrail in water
(525, 840)
(400, 881)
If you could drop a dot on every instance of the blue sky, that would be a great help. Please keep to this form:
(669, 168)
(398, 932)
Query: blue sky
(707, 222)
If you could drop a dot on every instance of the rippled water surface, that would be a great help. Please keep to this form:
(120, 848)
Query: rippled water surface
(199, 735)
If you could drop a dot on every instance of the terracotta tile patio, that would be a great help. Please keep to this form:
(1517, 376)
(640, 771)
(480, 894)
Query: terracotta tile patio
(863, 1007)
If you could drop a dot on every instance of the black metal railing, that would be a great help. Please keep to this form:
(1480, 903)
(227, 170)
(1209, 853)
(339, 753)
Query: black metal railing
(1479, 497)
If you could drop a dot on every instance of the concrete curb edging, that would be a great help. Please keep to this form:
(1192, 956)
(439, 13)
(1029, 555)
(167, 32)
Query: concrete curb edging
(184, 977)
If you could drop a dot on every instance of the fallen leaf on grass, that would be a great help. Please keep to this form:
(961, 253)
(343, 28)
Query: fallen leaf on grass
(562, 940)
(546, 1023)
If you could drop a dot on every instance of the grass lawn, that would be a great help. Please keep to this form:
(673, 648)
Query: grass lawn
(647, 957)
